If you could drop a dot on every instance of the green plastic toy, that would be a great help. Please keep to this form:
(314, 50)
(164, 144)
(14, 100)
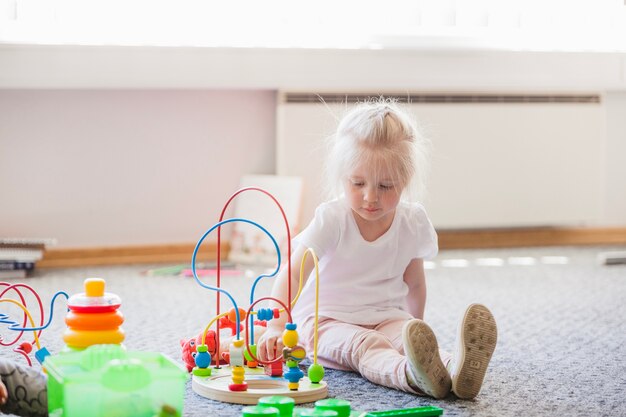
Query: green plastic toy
(426, 411)
(107, 380)
(282, 406)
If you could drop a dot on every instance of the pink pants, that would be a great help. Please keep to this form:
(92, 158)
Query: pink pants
(374, 351)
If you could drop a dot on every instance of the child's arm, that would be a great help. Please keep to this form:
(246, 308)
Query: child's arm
(271, 341)
(415, 279)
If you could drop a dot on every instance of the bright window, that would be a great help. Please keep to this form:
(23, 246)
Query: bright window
(542, 25)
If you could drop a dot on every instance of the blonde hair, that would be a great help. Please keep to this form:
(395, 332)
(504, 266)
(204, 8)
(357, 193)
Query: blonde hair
(382, 135)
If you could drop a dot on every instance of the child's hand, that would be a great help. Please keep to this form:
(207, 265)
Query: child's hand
(4, 395)
(270, 345)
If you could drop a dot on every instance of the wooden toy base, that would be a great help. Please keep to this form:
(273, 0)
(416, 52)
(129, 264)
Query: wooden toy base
(215, 387)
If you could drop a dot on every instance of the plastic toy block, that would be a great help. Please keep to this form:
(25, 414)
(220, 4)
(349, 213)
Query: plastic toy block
(426, 411)
(107, 377)
(340, 408)
(314, 412)
(41, 355)
(274, 369)
(257, 411)
(283, 404)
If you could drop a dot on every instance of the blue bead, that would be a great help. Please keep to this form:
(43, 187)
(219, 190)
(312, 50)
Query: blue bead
(290, 326)
(293, 374)
(203, 359)
(265, 314)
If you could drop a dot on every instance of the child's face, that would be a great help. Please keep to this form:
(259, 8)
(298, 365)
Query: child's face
(374, 196)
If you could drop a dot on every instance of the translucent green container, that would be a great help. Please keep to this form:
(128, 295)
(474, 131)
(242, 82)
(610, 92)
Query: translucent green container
(107, 380)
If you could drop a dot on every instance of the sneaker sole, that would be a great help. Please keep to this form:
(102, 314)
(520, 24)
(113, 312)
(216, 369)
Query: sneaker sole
(477, 341)
(422, 352)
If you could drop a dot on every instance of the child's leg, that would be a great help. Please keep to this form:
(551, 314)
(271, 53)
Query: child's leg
(426, 370)
(393, 330)
(26, 390)
(475, 344)
(356, 348)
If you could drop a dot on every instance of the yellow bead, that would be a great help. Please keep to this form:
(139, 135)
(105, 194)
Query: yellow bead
(238, 375)
(290, 338)
(94, 287)
(297, 353)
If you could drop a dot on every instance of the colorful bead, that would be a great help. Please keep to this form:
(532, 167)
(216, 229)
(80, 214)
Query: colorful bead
(316, 373)
(290, 336)
(203, 357)
(236, 353)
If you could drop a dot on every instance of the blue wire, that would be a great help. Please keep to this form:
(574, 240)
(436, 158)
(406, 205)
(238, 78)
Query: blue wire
(252, 294)
(202, 284)
(256, 281)
(5, 319)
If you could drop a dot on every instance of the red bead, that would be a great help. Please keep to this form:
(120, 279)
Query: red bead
(238, 387)
(27, 347)
(276, 313)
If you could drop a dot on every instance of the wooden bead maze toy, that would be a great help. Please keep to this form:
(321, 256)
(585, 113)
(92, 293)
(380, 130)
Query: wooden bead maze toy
(246, 378)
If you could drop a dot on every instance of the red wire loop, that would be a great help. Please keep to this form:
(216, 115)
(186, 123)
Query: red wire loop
(15, 287)
(219, 255)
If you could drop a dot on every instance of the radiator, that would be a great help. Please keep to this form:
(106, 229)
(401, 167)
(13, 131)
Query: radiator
(498, 160)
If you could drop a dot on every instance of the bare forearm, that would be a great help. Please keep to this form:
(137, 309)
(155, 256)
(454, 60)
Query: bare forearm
(271, 341)
(280, 290)
(417, 302)
(415, 279)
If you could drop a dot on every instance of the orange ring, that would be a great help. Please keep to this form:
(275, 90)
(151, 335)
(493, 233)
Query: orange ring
(99, 321)
(84, 338)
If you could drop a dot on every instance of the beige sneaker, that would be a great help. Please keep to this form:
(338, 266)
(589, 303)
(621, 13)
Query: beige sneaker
(425, 371)
(475, 344)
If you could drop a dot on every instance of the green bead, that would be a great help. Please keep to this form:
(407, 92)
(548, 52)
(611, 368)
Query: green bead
(247, 355)
(342, 407)
(316, 373)
(201, 371)
(257, 411)
(282, 403)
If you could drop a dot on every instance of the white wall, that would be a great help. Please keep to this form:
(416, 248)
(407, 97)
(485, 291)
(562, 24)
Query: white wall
(123, 167)
(316, 70)
(615, 168)
(493, 165)
(138, 145)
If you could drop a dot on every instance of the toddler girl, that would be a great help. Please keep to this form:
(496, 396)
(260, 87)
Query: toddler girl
(371, 245)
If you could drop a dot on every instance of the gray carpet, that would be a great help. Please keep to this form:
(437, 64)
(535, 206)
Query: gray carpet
(560, 350)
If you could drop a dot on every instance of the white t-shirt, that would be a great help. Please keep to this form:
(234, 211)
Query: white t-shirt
(362, 282)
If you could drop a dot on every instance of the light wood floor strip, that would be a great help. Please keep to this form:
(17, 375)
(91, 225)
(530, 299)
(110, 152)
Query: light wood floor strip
(530, 237)
(448, 239)
(178, 253)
